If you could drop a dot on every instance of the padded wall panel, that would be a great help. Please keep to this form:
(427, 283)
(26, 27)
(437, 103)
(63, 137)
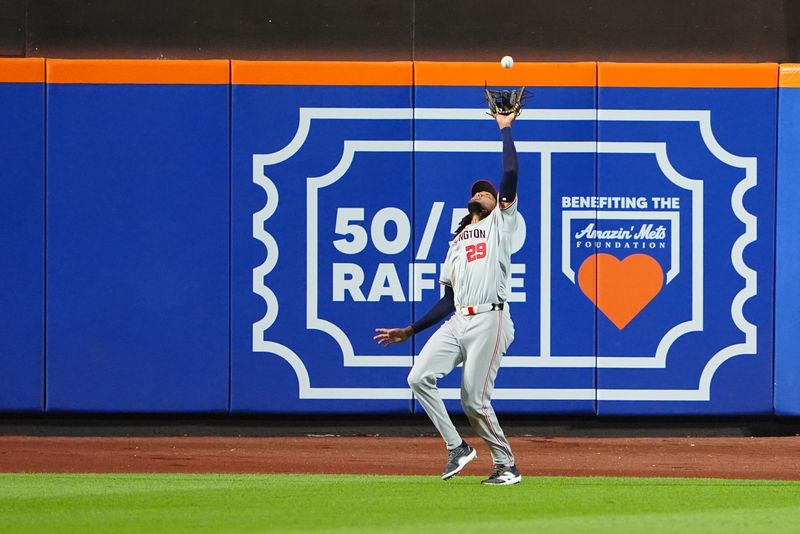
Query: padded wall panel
(137, 270)
(322, 239)
(685, 267)
(550, 365)
(787, 245)
(22, 234)
(682, 206)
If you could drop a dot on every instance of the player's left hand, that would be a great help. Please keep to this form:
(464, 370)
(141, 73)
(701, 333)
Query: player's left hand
(387, 336)
(504, 121)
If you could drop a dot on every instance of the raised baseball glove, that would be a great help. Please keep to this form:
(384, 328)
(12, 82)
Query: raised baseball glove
(504, 102)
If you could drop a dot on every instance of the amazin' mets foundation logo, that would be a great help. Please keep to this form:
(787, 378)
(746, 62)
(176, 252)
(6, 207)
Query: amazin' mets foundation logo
(625, 250)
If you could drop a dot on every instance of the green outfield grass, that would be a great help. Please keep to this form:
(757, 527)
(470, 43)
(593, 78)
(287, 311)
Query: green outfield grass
(92, 504)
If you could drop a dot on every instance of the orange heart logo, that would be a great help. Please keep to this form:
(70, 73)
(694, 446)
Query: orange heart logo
(620, 289)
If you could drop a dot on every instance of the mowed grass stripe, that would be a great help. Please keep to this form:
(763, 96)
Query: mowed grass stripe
(350, 503)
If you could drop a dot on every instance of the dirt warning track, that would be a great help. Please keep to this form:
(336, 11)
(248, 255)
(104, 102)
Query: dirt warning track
(775, 458)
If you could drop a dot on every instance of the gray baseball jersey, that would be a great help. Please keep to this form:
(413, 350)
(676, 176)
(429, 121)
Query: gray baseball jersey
(478, 262)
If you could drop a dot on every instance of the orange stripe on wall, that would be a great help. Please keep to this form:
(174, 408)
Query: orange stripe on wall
(138, 71)
(721, 75)
(760, 75)
(790, 75)
(529, 74)
(321, 73)
(22, 70)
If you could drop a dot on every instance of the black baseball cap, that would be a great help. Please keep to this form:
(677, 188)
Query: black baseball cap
(484, 185)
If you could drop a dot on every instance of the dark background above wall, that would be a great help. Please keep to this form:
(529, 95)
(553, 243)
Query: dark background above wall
(387, 30)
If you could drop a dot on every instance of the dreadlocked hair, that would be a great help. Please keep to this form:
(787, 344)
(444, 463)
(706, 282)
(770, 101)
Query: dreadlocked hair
(463, 224)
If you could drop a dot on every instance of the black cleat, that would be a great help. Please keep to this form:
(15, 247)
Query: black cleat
(503, 476)
(457, 458)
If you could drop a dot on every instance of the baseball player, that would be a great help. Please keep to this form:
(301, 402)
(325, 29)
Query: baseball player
(476, 279)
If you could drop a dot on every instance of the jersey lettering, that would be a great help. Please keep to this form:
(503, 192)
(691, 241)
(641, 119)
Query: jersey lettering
(475, 252)
(471, 234)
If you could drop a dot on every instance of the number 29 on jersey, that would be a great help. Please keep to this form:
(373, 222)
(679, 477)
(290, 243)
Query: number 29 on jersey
(475, 252)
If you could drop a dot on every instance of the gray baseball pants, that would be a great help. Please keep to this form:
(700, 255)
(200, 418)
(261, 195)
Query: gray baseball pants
(479, 342)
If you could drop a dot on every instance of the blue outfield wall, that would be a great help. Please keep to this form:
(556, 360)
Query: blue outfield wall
(787, 244)
(137, 242)
(321, 227)
(226, 236)
(703, 160)
(22, 239)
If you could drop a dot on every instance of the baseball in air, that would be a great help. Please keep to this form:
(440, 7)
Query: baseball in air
(507, 62)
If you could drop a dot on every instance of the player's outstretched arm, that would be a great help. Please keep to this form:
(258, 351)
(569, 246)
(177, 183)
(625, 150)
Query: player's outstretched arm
(508, 184)
(440, 310)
